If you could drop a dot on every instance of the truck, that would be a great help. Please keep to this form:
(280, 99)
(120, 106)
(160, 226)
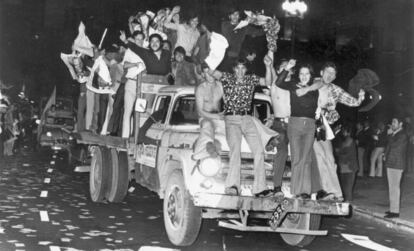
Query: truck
(55, 131)
(159, 156)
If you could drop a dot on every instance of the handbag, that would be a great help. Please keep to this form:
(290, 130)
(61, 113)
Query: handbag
(320, 132)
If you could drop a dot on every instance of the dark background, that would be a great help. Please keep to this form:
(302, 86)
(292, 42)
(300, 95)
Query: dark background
(353, 33)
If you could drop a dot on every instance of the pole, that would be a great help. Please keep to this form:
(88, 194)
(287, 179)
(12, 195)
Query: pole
(292, 39)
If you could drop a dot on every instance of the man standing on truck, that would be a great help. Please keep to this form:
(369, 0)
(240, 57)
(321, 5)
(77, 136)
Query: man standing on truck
(238, 89)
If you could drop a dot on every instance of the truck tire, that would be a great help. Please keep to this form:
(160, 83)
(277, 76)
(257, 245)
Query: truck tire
(99, 173)
(182, 219)
(118, 185)
(300, 221)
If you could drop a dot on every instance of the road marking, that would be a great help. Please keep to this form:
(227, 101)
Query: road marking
(47, 180)
(54, 248)
(365, 242)
(155, 248)
(43, 194)
(44, 216)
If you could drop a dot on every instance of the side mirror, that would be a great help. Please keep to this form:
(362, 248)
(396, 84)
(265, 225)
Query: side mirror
(140, 105)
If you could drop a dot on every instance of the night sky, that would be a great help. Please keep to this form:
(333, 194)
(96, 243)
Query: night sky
(353, 33)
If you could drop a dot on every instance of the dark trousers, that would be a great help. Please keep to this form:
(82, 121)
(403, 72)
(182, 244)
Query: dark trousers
(99, 111)
(81, 112)
(279, 160)
(301, 133)
(115, 122)
(347, 181)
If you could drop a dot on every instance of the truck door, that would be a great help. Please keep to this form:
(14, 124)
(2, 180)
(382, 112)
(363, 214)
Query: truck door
(148, 144)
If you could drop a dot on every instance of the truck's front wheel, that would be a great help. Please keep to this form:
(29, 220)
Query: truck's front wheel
(300, 221)
(182, 219)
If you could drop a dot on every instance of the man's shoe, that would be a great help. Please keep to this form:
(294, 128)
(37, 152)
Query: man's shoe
(320, 194)
(272, 143)
(264, 193)
(392, 215)
(277, 192)
(233, 190)
(303, 196)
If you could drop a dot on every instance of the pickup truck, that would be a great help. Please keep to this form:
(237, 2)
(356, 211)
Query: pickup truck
(159, 157)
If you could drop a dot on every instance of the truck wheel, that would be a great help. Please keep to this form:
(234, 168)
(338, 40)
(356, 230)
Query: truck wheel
(300, 221)
(99, 174)
(119, 177)
(182, 219)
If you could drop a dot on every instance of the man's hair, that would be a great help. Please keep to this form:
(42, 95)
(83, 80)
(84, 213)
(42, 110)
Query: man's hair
(238, 61)
(204, 65)
(167, 42)
(155, 35)
(232, 10)
(136, 33)
(329, 64)
(179, 49)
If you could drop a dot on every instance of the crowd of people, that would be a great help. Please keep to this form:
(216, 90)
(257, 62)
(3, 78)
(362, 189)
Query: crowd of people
(364, 149)
(174, 48)
(16, 122)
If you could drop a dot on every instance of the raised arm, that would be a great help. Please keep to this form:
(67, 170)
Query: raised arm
(346, 98)
(168, 24)
(268, 77)
(281, 78)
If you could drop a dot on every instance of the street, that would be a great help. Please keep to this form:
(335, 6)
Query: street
(44, 205)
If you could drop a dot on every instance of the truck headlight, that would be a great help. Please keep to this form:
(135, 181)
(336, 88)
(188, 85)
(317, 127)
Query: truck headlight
(49, 134)
(209, 167)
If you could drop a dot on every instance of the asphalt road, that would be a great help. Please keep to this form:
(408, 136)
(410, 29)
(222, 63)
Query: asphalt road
(72, 222)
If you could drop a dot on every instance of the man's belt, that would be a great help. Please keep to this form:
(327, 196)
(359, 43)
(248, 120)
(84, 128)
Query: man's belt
(285, 120)
(240, 113)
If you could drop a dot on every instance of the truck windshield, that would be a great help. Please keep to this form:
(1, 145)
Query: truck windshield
(184, 111)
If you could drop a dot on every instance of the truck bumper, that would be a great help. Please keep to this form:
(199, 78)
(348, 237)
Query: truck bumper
(269, 204)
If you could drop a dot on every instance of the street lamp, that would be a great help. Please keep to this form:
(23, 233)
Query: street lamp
(295, 10)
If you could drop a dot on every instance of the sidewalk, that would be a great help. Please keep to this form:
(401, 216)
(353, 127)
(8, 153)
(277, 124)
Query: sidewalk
(371, 201)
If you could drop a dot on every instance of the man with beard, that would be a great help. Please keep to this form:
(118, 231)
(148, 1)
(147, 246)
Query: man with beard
(157, 62)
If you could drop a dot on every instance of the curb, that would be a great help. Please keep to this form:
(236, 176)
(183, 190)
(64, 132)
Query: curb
(396, 223)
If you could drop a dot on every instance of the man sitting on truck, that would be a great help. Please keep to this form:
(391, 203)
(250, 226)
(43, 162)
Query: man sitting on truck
(208, 96)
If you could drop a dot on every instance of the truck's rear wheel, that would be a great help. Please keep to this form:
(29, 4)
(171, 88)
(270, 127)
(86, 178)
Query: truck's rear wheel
(99, 173)
(182, 219)
(119, 177)
(300, 221)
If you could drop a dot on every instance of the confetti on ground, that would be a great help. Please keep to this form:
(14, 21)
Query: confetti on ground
(152, 217)
(19, 245)
(131, 189)
(44, 216)
(44, 243)
(49, 170)
(52, 162)
(66, 239)
(47, 180)
(26, 165)
(54, 248)
(43, 194)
